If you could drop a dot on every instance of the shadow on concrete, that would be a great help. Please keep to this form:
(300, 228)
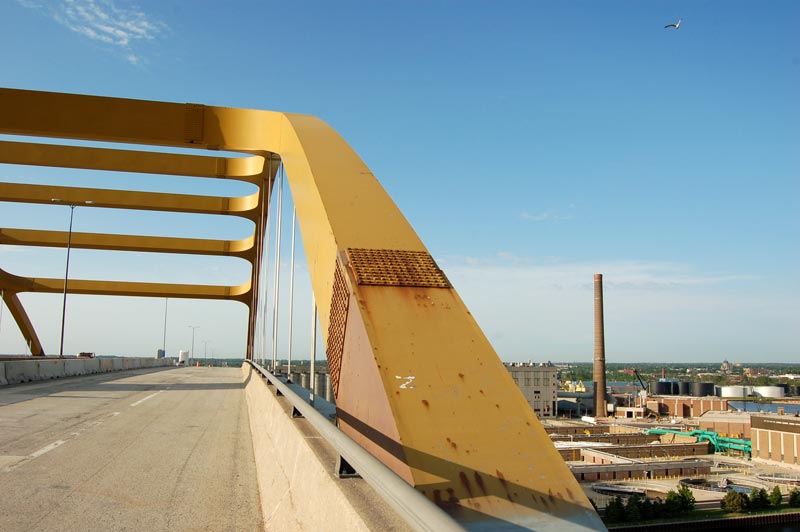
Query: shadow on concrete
(550, 510)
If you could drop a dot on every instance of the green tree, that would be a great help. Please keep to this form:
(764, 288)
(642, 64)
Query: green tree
(759, 500)
(776, 497)
(735, 501)
(672, 505)
(794, 498)
(615, 510)
(687, 500)
(633, 510)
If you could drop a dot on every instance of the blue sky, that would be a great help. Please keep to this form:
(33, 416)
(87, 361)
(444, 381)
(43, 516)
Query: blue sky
(530, 144)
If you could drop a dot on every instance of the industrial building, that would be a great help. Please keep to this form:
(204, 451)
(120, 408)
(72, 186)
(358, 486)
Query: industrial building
(776, 438)
(539, 385)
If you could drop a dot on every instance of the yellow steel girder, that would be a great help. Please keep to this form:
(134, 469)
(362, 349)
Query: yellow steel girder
(417, 382)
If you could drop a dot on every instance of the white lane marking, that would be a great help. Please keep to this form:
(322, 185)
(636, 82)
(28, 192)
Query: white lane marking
(46, 449)
(140, 401)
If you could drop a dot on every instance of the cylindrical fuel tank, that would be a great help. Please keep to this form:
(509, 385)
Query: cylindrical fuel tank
(684, 388)
(772, 392)
(733, 391)
(661, 388)
(702, 389)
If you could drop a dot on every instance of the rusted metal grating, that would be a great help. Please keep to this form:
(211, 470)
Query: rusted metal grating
(391, 267)
(340, 301)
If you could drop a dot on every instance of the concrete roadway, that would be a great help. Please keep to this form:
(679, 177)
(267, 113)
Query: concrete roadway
(155, 450)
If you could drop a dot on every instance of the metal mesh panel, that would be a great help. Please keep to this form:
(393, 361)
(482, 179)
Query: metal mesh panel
(390, 267)
(336, 327)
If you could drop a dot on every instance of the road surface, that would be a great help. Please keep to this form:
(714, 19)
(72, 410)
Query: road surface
(155, 450)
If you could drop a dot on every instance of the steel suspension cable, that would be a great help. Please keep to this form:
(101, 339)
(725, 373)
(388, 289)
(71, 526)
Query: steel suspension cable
(265, 269)
(278, 216)
(313, 373)
(291, 295)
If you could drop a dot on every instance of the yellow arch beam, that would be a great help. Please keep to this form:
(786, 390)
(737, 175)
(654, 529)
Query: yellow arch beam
(244, 206)
(417, 382)
(243, 248)
(246, 169)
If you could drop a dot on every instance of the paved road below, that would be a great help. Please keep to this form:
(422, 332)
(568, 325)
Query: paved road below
(156, 450)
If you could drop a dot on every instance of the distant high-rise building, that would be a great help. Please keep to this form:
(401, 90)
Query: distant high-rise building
(539, 385)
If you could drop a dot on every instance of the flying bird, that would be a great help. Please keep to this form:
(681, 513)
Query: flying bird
(675, 25)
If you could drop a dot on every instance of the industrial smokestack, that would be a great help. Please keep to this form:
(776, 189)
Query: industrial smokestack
(599, 349)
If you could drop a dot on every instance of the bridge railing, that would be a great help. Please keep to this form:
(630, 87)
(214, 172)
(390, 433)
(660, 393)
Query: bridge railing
(412, 506)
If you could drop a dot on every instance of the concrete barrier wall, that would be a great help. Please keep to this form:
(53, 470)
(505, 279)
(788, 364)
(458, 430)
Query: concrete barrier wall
(294, 468)
(29, 370)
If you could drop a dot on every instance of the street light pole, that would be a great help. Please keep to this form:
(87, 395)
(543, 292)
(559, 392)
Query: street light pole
(66, 270)
(164, 345)
(192, 327)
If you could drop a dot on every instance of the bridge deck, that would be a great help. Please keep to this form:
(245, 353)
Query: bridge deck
(151, 450)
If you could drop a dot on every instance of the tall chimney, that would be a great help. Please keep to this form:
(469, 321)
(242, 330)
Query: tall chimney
(599, 350)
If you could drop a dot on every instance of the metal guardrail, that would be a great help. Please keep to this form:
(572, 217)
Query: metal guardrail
(412, 506)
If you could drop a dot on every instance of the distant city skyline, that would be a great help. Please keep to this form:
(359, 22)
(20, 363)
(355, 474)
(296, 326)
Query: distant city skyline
(531, 145)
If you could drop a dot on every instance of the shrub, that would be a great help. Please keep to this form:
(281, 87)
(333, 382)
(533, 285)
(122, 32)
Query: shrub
(735, 502)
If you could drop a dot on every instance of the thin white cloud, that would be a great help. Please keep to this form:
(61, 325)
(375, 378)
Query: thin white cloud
(554, 272)
(541, 308)
(109, 22)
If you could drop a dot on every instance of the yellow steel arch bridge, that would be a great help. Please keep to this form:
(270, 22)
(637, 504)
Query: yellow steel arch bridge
(416, 382)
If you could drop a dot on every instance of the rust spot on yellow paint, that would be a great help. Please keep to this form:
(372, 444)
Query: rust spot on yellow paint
(544, 501)
(496, 405)
(550, 496)
(571, 496)
(479, 482)
(465, 482)
(425, 403)
(461, 376)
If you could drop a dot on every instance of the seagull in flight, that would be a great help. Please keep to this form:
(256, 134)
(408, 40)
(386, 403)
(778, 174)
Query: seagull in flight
(675, 25)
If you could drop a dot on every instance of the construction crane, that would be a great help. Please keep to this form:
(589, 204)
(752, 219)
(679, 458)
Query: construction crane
(644, 386)
(643, 393)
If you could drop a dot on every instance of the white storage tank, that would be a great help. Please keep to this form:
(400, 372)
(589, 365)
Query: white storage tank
(183, 357)
(772, 392)
(733, 391)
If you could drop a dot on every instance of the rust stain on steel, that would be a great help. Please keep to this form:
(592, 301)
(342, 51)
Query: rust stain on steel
(337, 327)
(465, 482)
(479, 482)
(391, 267)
